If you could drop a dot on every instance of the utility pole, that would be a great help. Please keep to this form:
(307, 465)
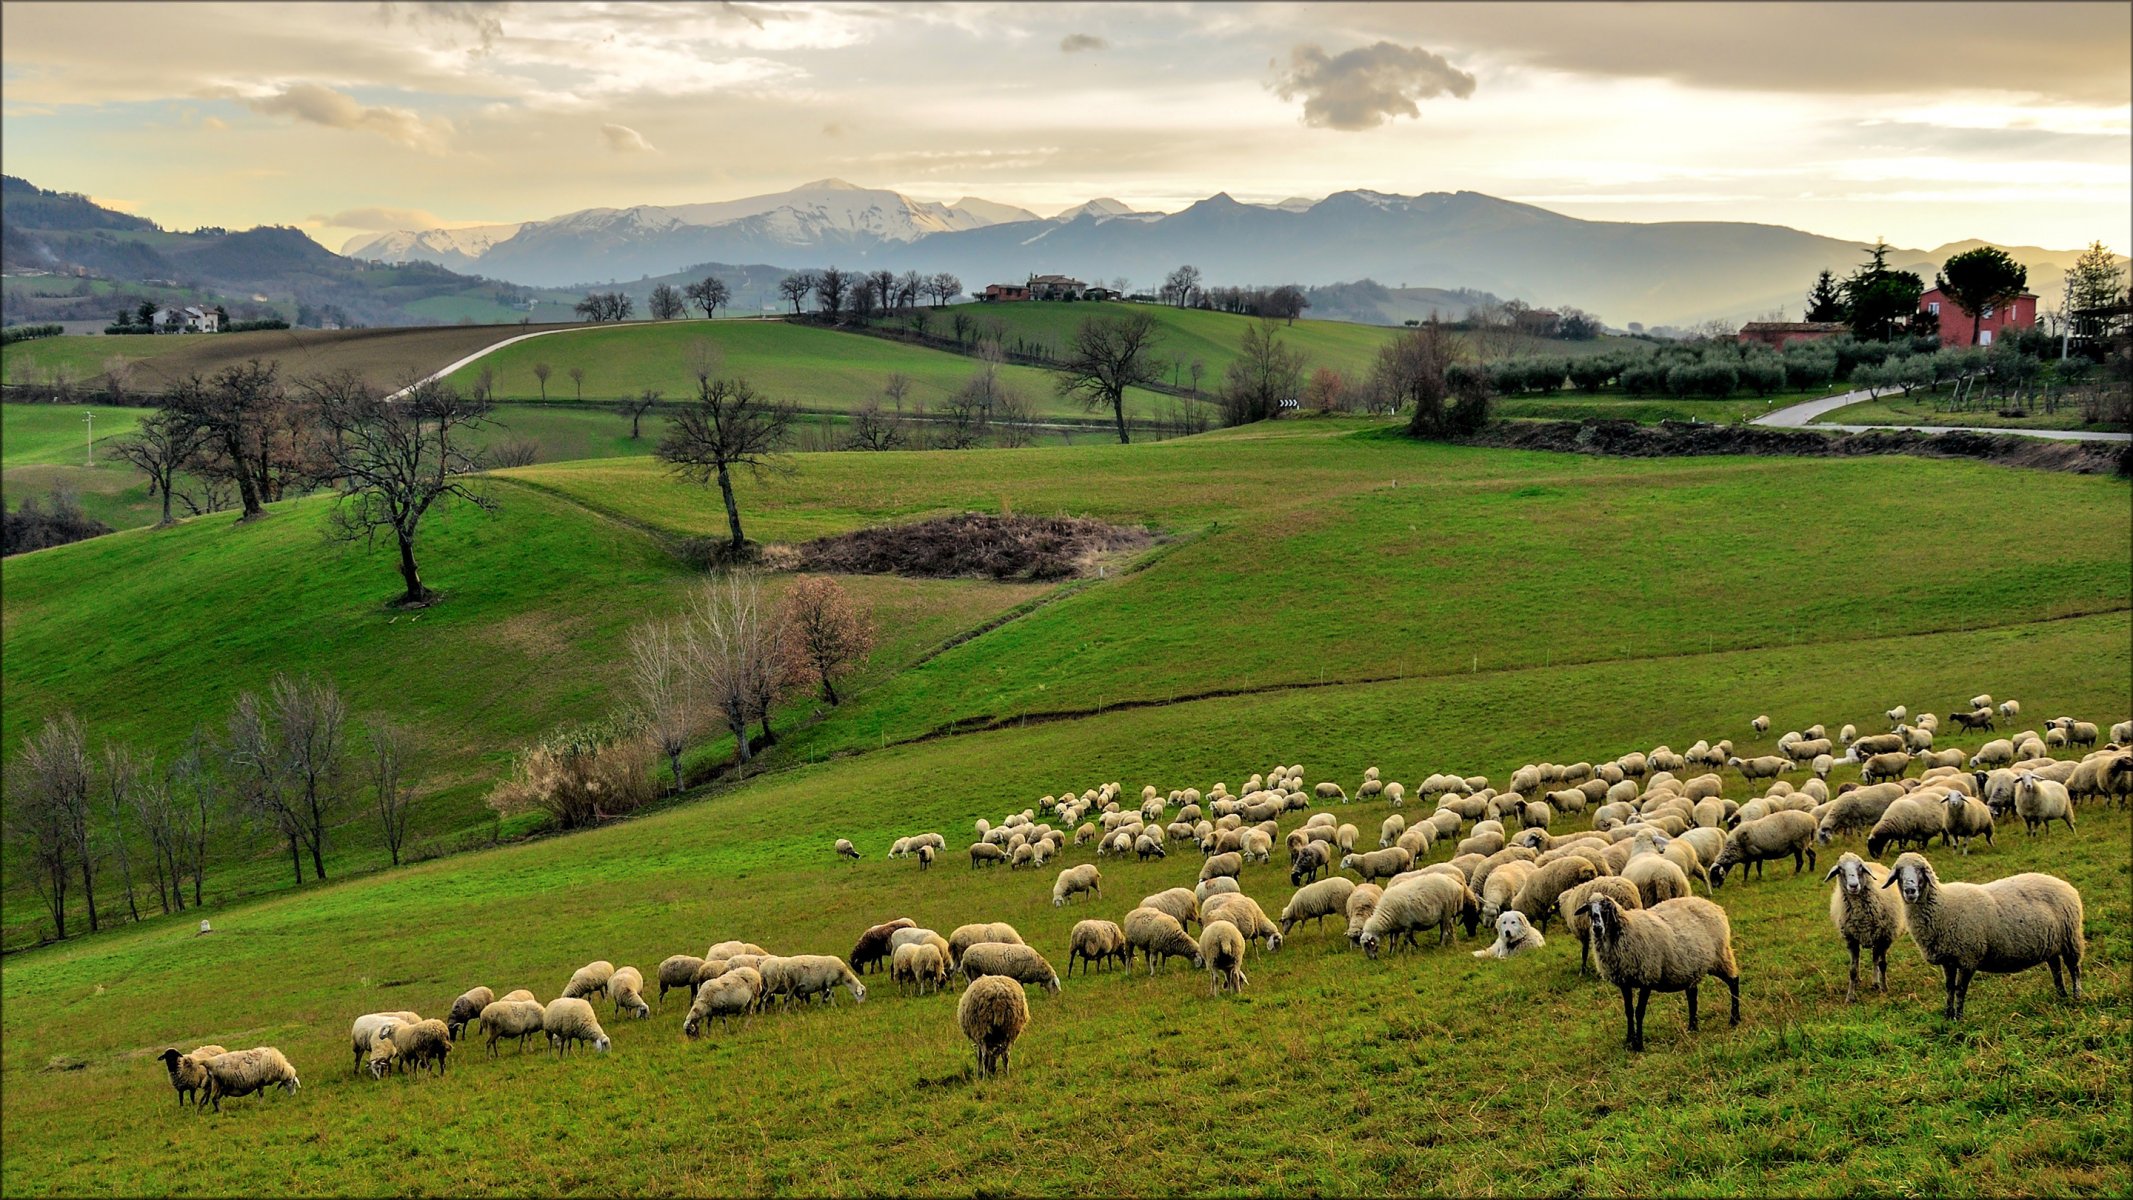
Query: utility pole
(89, 417)
(2066, 317)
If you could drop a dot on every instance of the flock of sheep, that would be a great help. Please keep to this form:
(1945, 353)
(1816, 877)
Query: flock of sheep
(1623, 887)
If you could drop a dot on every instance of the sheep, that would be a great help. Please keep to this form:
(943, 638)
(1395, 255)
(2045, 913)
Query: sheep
(188, 1070)
(2122, 732)
(1182, 905)
(871, 951)
(1808, 749)
(1396, 793)
(1857, 809)
(1095, 941)
(1765, 838)
(1243, 912)
(364, 1032)
(1159, 936)
(1329, 793)
(1761, 724)
(1020, 963)
(963, 937)
(416, 1043)
(1309, 861)
(1230, 863)
(985, 854)
(808, 976)
(1316, 902)
(677, 971)
(1362, 902)
(1480, 843)
(1906, 821)
(992, 1014)
(845, 849)
(1215, 887)
(1574, 906)
(2004, 926)
(467, 1009)
(1656, 877)
(1075, 880)
(1950, 757)
(1536, 898)
(925, 857)
(1980, 719)
(1390, 830)
(242, 1072)
(1374, 865)
(627, 988)
(589, 980)
(569, 1020)
(1897, 714)
(509, 1018)
(1872, 744)
(2040, 801)
(1478, 877)
(1147, 846)
(1513, 936)
(729, 949)
(1424, 902)
(1222, 949)
(1864, 915)
(1885, 766)
(731, 995)
(1666, 948)
(1345, 837)
(1256, 845)
(918, 963)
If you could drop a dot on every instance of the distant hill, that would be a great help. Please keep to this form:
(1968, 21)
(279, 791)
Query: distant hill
(1369, 302)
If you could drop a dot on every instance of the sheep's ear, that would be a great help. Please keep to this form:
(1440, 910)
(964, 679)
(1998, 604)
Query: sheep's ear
(1891, 881)
(1832, 873)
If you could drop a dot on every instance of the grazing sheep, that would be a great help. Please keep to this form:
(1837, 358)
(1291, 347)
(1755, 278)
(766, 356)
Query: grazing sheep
(1148, 845)
(1907, 821)
(925, 857)
(1857, 809)
(1180, 903)
(1666, 948)
(627, 988)
(1329, 793)
(985, 854)
(509, 1018)
(2040, 801)
(992, 1014)
(1231, 863)
(1159, 937)
(1222, 949)
(872, 948)
(1243, 912)
(1362, 902)
(1876, 743)
(1345, 837)
(1309, 861)
(809, 976)
(1536, 898)
(1390, 829)
(417, 1043)
(729, 949)
(1657, 878)
(845, 849)
(1575, 909)
(1423, 902)
(2122, 732)
(1374, 865)
(364, 1032)
(1095, 941)
(1316, 902)
(963, 937)
(1513, 936)
(188, 1070)
(1215, 887)
(1396, 793)
(731, 995)
(1864, 915)
(1963, 818)
(1075, 880)
(1979, 719)
(1478, 877)
(2004, 926)
(1885, 766)
(243, 1072)
(1765, 838)
(1020, 963)
(467, 1009)
(678, 972)
(589, 980)
(569, 1020)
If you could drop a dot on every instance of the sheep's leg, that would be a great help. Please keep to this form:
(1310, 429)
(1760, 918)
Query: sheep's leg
(1644, 997)
(1962, 991)
(1733, 986)
(1881, 968)
(2073, 969)
(1948, 976)
(1692, 1009)
(2057, 982)
(1629, 1018)
(1851, 990)
(1584, 957)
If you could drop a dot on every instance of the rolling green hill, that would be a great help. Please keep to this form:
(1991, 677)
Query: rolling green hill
(385, 356)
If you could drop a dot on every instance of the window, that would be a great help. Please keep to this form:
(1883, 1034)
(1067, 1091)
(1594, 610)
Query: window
(1984, 337)
(1934, 308)
(1985, 315)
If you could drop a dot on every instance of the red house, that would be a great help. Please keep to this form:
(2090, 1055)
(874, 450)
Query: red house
(995, 292)
(1957, 329)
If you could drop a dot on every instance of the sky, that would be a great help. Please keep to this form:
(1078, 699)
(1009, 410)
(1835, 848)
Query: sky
(1921, 123)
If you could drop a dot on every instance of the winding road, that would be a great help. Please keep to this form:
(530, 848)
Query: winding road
(1801, 416)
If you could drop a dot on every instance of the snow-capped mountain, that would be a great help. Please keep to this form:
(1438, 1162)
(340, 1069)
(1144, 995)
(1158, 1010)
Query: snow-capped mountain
(1102, 208)
(452, 248)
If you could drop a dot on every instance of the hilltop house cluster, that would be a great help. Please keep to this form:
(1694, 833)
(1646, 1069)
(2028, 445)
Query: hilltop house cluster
(1957, 328)
(190, 319)
(1046, 287)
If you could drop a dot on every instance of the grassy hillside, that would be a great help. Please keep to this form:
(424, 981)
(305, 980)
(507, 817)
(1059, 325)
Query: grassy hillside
(1400, 1075)
(42, 449)
(386, 356)
(801, 364)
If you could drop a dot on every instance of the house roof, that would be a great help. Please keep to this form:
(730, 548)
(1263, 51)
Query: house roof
(1055, 279)
(1794, 327)
(1934, 291)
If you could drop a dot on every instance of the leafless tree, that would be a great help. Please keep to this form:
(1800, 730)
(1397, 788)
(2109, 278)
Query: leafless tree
(122, 775)
(635, 409)
(710, 294)
(484, 389)
(514, 452)
(795, 287)
(730, 425)
(196, 802)
(392, 796)
(1014, 419)
(734, 646)
(1265, 372)
(830, 633)
(1107, 356)
(666, 303)
(885, 288)
(944, 287)
(47, 813)
(163, 445)
(874, 428)
(396, 459)
(895, 388)
(541, 371)
(577, 380)
(153, 808)
(289, 752)
(664, 681)
(830, 285)
(260, 774)
(237, 411)
(1182, 286)
(1196, 370)
(863, 295)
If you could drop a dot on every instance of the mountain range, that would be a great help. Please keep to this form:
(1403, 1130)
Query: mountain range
(1671, 272)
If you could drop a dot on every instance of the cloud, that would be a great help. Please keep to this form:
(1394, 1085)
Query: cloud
(1367, 86)
(1076, 42)
(833, 129)
(383, 220)
(623, 140)
(322, 105)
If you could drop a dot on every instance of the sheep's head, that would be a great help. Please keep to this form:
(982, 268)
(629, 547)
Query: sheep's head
(601, 1044)
(1606, 917)
(1273, 941)
(169, 1058)
(291, 1084)
(1912, 876)
(1851, 875)
(1369, 942)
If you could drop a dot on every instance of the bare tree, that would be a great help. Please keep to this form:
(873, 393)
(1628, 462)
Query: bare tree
(577, 380)
(830, 285)
(1182, 286)
(541, 371)
(152, 807)
(1265, 372)
(795, 287)
(195, 803)
(730, 425)
(257, 767)
(1107, 356)
(886, 288)
(1196, 370)
(1014, 419)
(665, 682)
(874, 428)
(47, 813)
(164, 444)
(944, 287)
(734, 643)
(864, 292)
(636, 408)
(828, 631)
(710, 294)
(237, 410)
(396, 459)
(666, 303)
(311, 721)
(122, 774)
(391, 794)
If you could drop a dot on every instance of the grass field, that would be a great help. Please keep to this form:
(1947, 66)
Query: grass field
(800, 364)
(1403, 1075)
(386, 356)
(1896, 409)
(42, 448)
(1643, 410)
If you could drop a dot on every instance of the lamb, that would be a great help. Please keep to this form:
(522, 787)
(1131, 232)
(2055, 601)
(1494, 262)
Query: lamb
(677, 971)
(1222, 949)
(1345, 837)
(1761, 724)
(416, 1043)
(1159, 937)
(467, 1009)
(2040, 801)
(919, 963)
(2004, 926)
(1095, 941)
(1513, 936)
(808, 976)
(1243, 912)
(845, 849)
(1536, 898)
(872, 948)
(1848, 734)
(243, 1072)
(1667, 948)
(1182, 905)
(1424, 902)
(1575, 909)
(589, 980)
(569, 1020)
(963, 937)
(1020, 963)
(188, 1070)
(509, 1018)
(731, 995)
(363, 1034)
(1897, 714)
(1905, 822)
(1765, 838)
(729, 949)
(627, 988)
(1374, 865)
(1257, 845)
(1074, 881)
(992, 1014)
(1864, 915)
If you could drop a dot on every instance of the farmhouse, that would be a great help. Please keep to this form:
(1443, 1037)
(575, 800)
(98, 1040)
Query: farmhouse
(1003, 292)
(1779, 334)
(1056, 287)
(1957, 328)
(190, 319)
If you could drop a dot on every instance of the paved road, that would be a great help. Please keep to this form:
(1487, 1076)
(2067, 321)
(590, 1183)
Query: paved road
(1801, 416)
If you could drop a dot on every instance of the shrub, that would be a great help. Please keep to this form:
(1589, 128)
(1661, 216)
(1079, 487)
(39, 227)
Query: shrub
(1644, 378)
(1809, 370)
(23, 333)
(578, 776)
(1762, 373)
(1593, 372)
(1710, 380)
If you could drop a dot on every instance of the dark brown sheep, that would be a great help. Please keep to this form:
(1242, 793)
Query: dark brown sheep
(872, 949)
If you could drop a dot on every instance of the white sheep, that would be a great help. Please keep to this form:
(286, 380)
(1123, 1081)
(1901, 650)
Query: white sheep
(809, 976)
(992, 1014)
(1074, 881)
(1865, 916)
(1222, 948)
(589, 980)
(730, 995)
(1316, 902)
(1020, 963)
(513, 1018)
(243, 1072)
(1666, 948)
(2003, 926)
(2040, 801)
(1159, 936)
(569, 1020)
